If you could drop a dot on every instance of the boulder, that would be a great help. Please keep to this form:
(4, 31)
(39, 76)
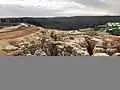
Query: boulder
(83, 53)
(99, 44)
(110, 51)
(29, 55)
(39, 53)
(98, 50)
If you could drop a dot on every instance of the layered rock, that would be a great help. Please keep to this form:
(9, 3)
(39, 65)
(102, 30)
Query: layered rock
(116, 54)
(62, 43)
(100, 54)
(10, 48)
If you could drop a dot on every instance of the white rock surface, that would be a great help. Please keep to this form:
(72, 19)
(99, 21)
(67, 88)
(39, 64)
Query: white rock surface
(10, 48)
(100, 54)
(116, 54)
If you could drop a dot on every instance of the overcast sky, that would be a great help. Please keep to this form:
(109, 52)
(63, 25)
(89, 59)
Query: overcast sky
(48, 8)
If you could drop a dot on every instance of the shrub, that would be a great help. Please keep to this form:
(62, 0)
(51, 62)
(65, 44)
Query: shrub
(91, 33)
(114, 32)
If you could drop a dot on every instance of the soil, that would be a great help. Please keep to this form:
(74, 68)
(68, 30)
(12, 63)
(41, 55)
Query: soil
(7, 36)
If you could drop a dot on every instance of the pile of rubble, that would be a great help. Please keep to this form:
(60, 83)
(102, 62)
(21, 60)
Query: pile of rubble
(48, 42)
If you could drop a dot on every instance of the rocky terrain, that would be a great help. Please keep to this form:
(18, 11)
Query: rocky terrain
(50, 42)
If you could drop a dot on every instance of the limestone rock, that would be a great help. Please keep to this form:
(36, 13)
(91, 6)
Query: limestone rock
(111, 51)
(15, 43)
(39, 53)
(116, 54)
(100, 54)
(98, 50)
(49, 42)
(16, 53)
(83, 53)
(29, 55)
(10, 48)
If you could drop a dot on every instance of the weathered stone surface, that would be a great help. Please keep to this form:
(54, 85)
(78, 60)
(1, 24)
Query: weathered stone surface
(98, 50)
(111, 51)
(16, 53)
(116, 54)
(100, 54)
(99, 44)
(48, 42)
(29, 55)
(40, 53)
(10, 48)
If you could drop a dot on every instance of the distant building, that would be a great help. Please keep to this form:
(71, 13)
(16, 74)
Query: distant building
(101, 27)
(10, 21)
(113, 24)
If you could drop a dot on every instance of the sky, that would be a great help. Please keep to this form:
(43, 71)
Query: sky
(58, 8)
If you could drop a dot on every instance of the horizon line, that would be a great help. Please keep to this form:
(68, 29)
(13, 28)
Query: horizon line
(57, 16)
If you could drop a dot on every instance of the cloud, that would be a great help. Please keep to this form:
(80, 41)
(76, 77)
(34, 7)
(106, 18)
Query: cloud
(111, 6)
(17, 10)
(49, 8)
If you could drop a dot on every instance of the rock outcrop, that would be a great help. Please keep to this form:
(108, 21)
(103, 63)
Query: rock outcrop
(100, 54)
(48, 42)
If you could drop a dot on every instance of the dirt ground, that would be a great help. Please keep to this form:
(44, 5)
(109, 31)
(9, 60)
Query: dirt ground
(7, 36)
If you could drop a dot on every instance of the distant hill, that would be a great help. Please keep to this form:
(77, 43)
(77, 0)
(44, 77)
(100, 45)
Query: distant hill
(75, 22)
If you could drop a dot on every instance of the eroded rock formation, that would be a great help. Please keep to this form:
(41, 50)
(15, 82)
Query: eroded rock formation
(48, 42)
